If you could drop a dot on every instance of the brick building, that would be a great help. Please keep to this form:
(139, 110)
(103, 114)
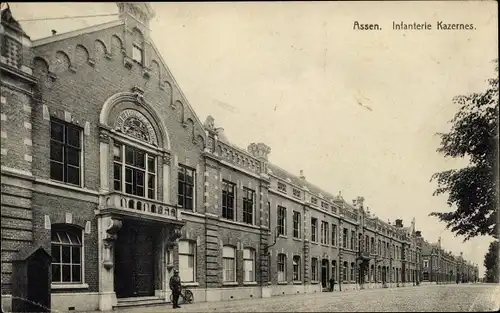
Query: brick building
(105, 164)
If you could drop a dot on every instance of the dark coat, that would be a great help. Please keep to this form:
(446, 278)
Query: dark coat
(175, 283)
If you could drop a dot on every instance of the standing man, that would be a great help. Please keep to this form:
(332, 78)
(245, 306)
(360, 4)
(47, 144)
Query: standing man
(332, 283)
(175, 286)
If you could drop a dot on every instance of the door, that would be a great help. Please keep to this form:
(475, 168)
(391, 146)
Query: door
(324, 273)
(134, 261)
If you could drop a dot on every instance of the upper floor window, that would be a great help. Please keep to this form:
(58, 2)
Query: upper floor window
(281, 187)
(281, 220)
(137, 53)
(379, 247)
(314, 229)
(296, 268)
(229, 263)
(314, 200)
(187, 261)
(324, 205)
(248, 205)
(372, 245)
(67, 254)
(228, 198)
(426, 263)
(186, 179)
(65, 152)
(353, 238)
(334, 235)
(367, 243)
(296, 224)
(324, 232)
(281, 267)
(296, 193)
(249, 264)
(345, 234)
(134, 171)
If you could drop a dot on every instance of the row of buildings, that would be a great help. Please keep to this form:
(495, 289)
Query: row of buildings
(105, 165)
(441, 266)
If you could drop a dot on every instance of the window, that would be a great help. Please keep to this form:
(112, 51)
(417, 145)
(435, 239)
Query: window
(324, 232)
(137, 53)
(269, 214)
(383, 248)
(248, 200)
(324, 205)
(352, 271)
(344, 272)
(426, 263)
(249, 264)
(296, 193)
(228, 189)
(314, 229)
(314, 269)
(344, 238)
(372, 245)
(296, 268)
(334, 269)
(353, 237)
(367, 243)
(281, 267)
(314, 201)
(187, 261)
(65, 152)
(334, 235)
(281, 220)
(360, 242)
(296, 224)
(229, 258)
(137, 167)
(186, 187)
(379, 247)
(67, 254)
(281, 187)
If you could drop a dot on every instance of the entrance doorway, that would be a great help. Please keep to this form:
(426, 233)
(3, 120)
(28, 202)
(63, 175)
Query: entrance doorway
(134, 260)
(324, 272)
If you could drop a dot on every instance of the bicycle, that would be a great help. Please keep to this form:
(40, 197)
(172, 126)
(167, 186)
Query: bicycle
(186, 296)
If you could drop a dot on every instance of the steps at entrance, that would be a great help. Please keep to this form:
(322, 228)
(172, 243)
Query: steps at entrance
(139, 301)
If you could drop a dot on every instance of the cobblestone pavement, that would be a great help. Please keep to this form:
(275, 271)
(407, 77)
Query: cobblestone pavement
(429, 298)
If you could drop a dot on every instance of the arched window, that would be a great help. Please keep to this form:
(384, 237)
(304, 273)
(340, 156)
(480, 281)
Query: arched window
(187, 261)
(296, 268)
(229, 263)
(138, 46)
(249, 264)
(334, 269)
(67, 254)
(281, 267)
(344, 272)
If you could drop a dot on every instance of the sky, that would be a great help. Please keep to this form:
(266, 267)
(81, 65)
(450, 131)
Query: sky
(356, 110)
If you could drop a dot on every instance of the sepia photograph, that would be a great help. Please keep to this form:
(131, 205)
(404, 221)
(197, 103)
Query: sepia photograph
(267, 156)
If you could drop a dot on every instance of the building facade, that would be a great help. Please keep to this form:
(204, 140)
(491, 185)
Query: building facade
(106, 166)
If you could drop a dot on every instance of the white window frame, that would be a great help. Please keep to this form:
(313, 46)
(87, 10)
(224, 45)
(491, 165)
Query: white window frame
(190, 244)
(298, 229)
(135, 49)
(281, 273)
(229, 257)
(314, 269)
(296, 268)
(81, 283)
(249, 255)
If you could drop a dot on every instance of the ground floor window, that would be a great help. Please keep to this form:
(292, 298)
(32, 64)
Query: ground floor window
(296, 268)
(281, 267)
(352, 271)
(187, 261)
(249, 264)
(229, 263)
(67, 254)
(344, 272)
(314, 269)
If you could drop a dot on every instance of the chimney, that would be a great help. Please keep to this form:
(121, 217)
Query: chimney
(259, 150)
(302, 175)
(399, 223)
(360, 201)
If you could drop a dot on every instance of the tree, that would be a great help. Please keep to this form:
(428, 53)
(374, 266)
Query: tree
(473, 189)
(491, 263)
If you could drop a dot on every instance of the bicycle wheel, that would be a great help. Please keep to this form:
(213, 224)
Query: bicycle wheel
(188, 296)
(181, 299)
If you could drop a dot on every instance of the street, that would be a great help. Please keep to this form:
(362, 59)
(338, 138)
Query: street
(430, 298)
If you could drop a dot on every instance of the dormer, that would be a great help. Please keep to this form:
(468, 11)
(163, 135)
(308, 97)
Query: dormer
(137, 46)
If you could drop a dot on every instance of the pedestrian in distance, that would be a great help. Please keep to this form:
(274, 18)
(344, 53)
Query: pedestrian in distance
(332, 284)
(175, 287)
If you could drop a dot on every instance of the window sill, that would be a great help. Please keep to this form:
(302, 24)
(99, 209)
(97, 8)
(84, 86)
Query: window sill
(230, 283)
(314, 242)
(250, 283)
(190, 284)
(297, 239)
(314, 282)
(325, 245)
(69, 286)
(297, 282)
(282, 283)
(282, 236)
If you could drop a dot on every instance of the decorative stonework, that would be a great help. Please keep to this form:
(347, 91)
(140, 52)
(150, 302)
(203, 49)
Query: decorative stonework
(134, 124)
(103, 137)
(166, 159)
(112, 228)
